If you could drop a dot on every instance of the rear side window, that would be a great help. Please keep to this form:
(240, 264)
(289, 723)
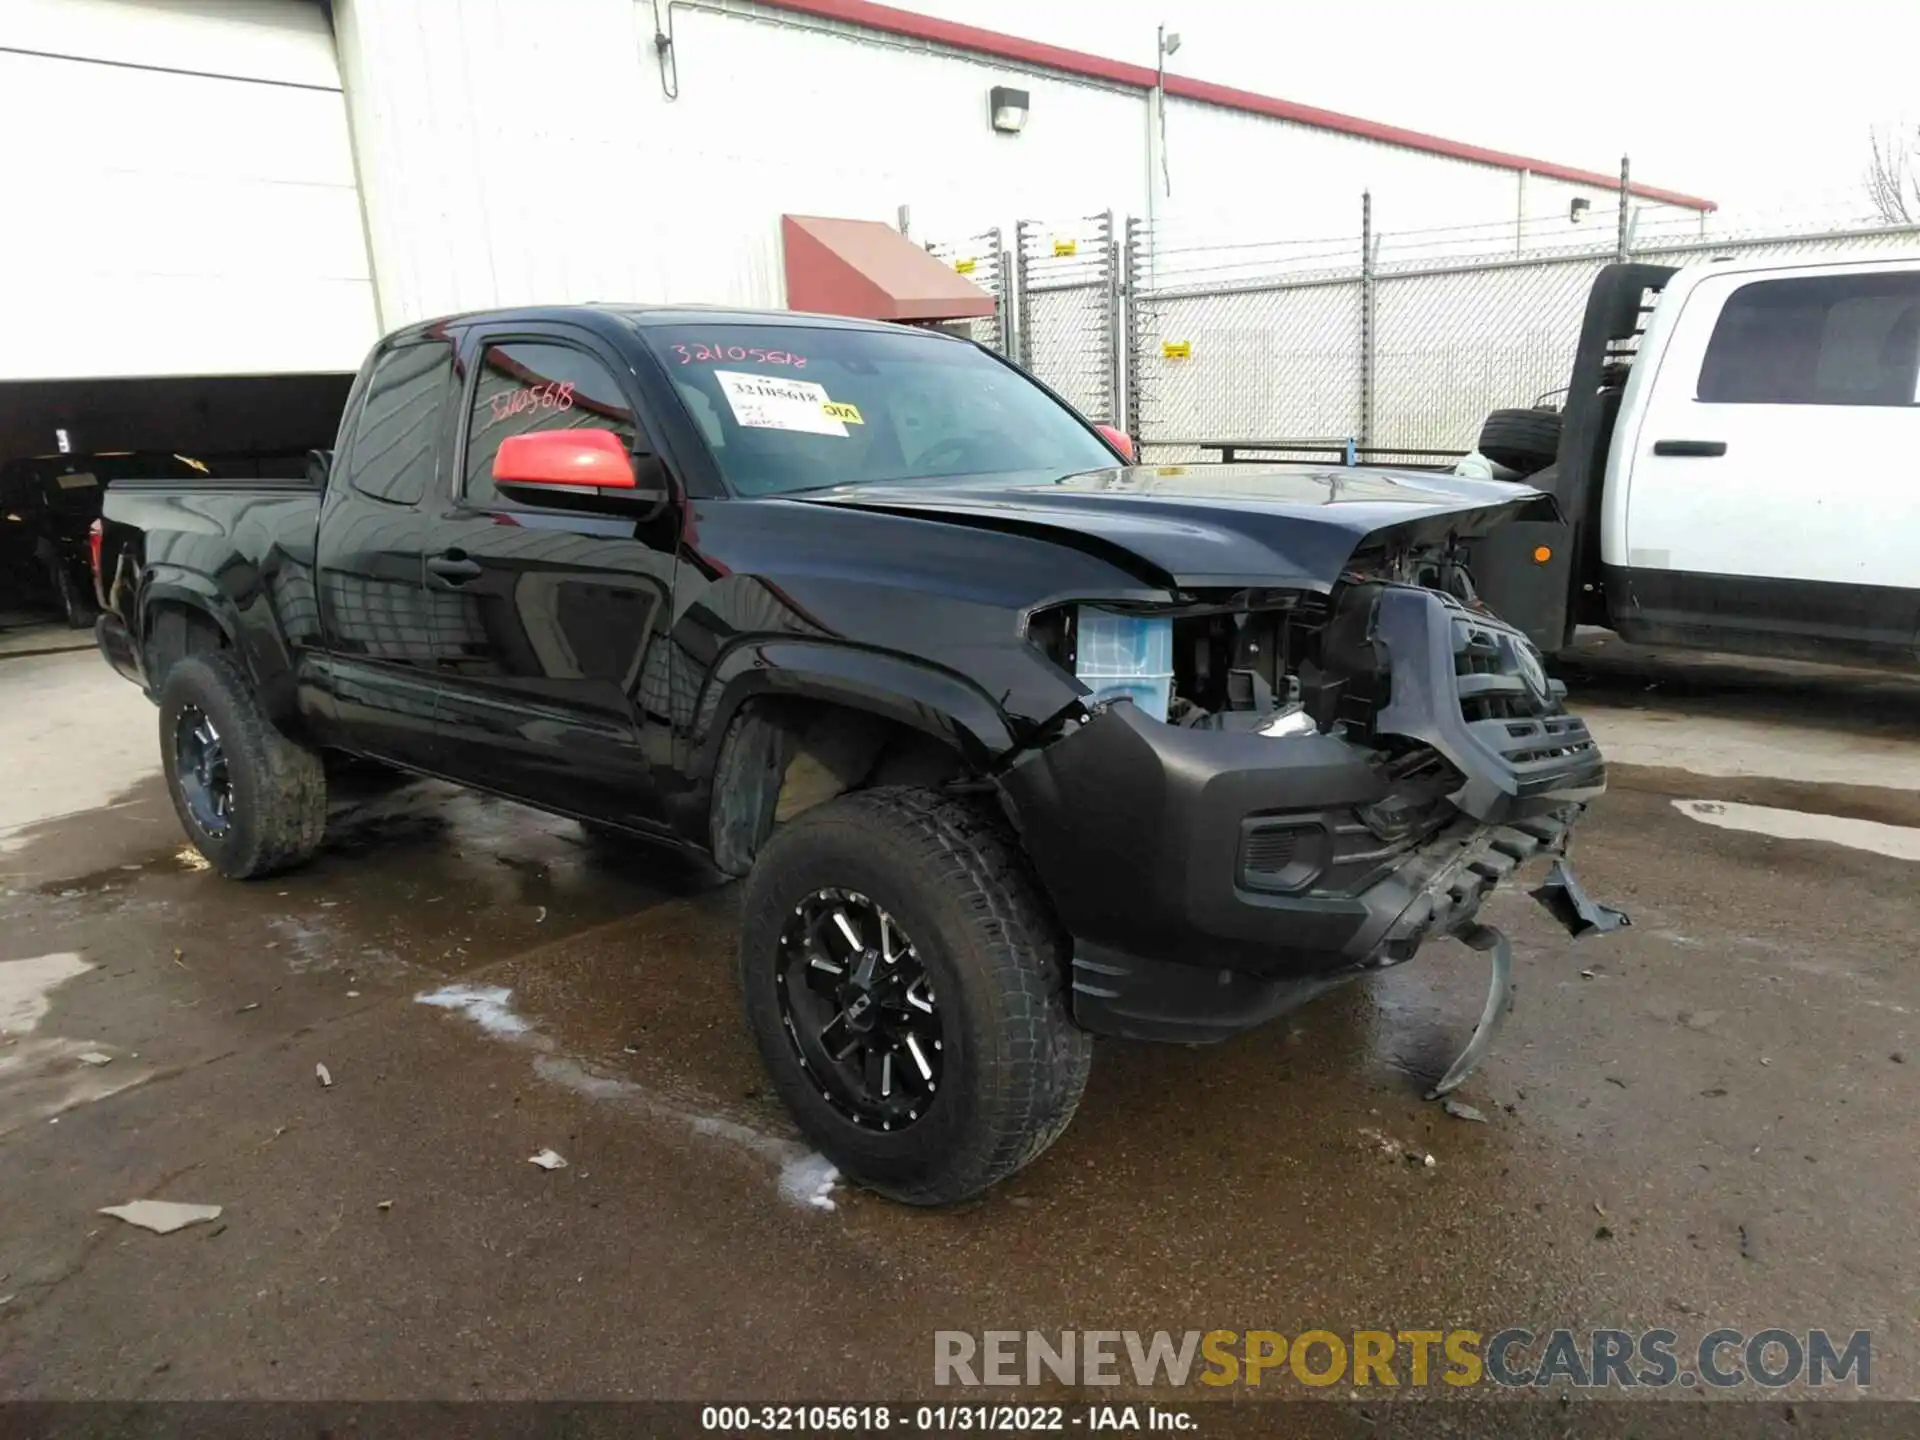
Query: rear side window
(528, 387)
(397, 440)
(1825, 340)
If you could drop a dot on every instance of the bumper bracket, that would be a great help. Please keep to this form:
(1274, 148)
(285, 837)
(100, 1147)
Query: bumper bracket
(1499, 1004)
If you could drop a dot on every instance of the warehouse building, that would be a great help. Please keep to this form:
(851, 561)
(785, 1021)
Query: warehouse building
(217, 204)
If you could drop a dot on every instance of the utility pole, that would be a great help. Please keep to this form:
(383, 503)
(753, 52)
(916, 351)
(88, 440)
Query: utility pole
(1158, 178)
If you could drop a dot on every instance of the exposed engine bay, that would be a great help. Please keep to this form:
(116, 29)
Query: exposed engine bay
(1277, 662)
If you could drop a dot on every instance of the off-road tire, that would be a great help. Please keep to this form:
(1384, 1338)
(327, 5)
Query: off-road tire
(1526, 441)
(76, 606)
(279, 786)
(952, 875)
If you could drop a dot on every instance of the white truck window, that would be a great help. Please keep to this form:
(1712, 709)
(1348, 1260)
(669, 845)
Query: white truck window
(1817, 340)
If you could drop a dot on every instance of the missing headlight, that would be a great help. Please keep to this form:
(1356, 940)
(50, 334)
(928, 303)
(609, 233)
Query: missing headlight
(1125, 657)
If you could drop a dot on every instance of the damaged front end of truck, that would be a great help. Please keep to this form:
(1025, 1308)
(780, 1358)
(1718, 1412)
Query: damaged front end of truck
(1337, 777)
(1286, 747)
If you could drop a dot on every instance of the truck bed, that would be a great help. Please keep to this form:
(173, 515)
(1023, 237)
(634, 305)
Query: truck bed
(238, 550)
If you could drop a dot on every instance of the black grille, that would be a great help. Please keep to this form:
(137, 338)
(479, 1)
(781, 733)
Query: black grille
(1497, 674)
(1506, 697)
(1285, 855)
(1271, 851)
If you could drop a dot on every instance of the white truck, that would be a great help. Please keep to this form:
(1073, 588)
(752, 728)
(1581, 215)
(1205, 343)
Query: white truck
(1737, 465)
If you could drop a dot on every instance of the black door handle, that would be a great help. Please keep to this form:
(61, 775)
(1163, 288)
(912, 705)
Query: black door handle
(455, 569)
(1700, 449)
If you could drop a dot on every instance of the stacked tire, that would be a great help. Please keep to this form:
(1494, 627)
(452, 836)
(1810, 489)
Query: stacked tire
(1523, 441)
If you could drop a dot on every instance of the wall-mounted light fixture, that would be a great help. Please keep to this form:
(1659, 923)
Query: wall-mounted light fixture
(1007, 109)
(1577, 211)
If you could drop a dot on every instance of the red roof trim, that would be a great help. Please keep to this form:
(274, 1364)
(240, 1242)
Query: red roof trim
(893, 21)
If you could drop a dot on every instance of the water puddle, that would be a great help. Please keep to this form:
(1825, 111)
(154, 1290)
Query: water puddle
(43, 1075)
(1900, 841)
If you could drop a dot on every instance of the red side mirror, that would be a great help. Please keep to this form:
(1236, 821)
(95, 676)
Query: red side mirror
(1119, 439)
(595, 459)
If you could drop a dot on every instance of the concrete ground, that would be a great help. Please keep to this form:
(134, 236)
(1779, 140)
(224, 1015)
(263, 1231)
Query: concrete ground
(1705, 1120)
(26, 632)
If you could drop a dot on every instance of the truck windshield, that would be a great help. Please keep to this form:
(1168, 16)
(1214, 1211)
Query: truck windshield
(794, 407)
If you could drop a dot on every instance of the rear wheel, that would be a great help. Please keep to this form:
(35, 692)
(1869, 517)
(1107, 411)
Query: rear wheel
(251, 800)
(1526, 441)
(905, 984)
(76, 606)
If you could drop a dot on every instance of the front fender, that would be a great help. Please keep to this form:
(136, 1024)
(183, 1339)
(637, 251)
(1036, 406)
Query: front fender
(924, 697)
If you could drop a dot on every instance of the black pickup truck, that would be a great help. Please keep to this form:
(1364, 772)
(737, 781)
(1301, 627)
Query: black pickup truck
(1014, 742)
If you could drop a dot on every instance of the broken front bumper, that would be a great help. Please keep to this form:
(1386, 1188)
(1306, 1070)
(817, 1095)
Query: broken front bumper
(1212, 880)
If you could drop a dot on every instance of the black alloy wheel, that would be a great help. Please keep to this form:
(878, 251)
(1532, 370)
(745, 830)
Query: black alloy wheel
(200, 762)
(251, 799)
(906, 986)
(860, 1010)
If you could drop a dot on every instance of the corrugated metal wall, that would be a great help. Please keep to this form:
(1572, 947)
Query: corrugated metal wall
(501, 154)
(522, 150)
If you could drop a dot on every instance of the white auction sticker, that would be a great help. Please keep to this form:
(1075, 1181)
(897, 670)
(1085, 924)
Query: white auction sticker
(773, 402)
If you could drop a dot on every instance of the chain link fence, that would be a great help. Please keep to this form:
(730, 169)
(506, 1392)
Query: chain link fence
(1451, 344)
(1398, 344)
(1069, 307)
(983, 259)
(1406, 356)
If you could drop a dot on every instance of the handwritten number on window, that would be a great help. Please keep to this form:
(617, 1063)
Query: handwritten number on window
(554, 395)
(702, 354)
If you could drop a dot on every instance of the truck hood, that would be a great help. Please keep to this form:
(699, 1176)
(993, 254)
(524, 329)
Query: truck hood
(1212, 525)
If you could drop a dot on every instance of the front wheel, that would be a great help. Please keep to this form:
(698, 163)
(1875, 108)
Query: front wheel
(905, 985)
(251, 800)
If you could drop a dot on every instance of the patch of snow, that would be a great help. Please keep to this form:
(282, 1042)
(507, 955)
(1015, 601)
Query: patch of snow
(577, 1078)
(485, 1005)
(810, 1181)
(806, 1177)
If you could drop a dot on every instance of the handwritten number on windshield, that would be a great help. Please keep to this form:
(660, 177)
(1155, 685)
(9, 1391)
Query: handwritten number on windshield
(702, 354)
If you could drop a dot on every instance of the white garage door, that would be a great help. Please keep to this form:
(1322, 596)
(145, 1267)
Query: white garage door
(180, 195)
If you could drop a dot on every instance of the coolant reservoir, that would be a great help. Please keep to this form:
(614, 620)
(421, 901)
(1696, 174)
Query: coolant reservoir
(1126, 657)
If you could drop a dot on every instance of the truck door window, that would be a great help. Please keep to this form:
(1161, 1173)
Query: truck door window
(1819, 340)
(396, 442)
(527, 387)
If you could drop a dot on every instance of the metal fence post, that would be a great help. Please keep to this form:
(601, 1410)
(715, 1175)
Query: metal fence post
(1620, 243)
(1135, 332)
(1368, 340)
(1003, 261)
(997, 249)
(1110, 259)
(1008, 319)
(1022, 348)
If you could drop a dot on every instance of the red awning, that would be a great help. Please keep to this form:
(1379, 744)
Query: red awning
(865, 268)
